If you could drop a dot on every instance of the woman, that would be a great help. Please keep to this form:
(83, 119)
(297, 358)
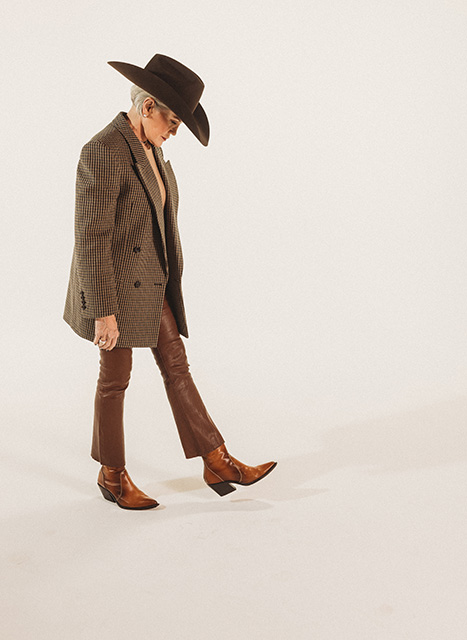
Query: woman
(125, 280)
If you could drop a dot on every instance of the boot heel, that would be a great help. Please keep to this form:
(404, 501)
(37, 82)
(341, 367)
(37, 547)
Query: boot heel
(107, 495)
(222, 488)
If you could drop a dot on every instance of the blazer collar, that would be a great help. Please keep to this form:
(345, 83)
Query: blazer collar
(121, 123)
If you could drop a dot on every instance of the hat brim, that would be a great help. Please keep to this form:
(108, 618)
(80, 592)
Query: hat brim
(197, 122)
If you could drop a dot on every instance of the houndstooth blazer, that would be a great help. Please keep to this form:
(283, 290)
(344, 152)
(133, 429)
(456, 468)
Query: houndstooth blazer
(127, 252)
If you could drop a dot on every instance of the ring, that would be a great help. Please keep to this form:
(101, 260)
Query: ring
(102, 341)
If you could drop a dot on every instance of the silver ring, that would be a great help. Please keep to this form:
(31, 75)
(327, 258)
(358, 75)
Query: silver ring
(102, 341)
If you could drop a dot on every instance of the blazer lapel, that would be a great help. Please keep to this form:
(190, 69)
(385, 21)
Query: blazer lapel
(171, 206)
(150, 181)
(144, 171)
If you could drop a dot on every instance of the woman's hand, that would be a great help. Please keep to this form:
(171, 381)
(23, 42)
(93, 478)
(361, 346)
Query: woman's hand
(106, 332)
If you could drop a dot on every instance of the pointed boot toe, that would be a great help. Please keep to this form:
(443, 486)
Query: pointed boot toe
(221, 470)
(117, 486)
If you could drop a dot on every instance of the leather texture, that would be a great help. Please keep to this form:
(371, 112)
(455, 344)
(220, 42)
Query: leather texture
(220, 466)
(123, 490)
(127, 254)
(197, 431)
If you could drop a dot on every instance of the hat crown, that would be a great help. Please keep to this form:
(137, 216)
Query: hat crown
(183, 80)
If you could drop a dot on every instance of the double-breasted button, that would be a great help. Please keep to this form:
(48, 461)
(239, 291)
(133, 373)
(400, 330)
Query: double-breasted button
(137, 284)
(136, 249)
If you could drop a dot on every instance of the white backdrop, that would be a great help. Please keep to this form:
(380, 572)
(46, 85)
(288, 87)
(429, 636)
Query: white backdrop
(324, 232)
(324, 227)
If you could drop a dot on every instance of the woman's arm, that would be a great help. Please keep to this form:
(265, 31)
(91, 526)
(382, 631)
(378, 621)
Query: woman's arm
(97, 190)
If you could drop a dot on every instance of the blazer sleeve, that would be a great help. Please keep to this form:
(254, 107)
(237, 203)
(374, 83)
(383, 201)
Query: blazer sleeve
(97, 189)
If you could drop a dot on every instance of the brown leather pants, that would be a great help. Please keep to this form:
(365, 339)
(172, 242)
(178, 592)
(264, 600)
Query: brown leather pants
(197, 431)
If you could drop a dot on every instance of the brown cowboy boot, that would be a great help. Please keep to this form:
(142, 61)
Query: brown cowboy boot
(117, 486)
(220, 469)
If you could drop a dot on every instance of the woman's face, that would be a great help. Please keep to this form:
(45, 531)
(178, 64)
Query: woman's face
(158, 125)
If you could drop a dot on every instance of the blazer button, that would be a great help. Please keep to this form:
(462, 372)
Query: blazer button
(136, 249)
(137, 284)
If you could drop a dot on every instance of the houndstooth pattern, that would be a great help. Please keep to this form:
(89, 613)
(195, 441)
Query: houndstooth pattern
(127, 252)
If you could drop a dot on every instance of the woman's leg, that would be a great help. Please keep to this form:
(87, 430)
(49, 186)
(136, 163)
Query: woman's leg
(108, 445)
(198, 433)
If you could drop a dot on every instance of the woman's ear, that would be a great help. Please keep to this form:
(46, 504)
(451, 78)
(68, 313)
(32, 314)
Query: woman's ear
(148, 105)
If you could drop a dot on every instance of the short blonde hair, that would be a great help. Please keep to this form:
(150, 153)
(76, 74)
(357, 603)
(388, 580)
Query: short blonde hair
(138, 96)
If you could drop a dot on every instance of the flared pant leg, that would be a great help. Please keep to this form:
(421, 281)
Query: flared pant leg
(108, 445)
(198, 433)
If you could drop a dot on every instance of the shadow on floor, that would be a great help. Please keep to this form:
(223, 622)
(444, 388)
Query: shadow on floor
(428, 436)
(424, 437)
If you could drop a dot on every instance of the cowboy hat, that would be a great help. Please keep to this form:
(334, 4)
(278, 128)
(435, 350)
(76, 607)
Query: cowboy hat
(176, 86)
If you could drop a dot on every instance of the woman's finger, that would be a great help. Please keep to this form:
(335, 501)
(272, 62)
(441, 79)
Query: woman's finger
(111, 344)
(103, 342)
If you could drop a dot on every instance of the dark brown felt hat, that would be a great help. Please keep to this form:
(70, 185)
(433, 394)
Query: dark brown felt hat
(176, 86)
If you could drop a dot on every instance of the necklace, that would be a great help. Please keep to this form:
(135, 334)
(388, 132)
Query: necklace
(146, 142)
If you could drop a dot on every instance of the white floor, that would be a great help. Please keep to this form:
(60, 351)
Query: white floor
(362, 537)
